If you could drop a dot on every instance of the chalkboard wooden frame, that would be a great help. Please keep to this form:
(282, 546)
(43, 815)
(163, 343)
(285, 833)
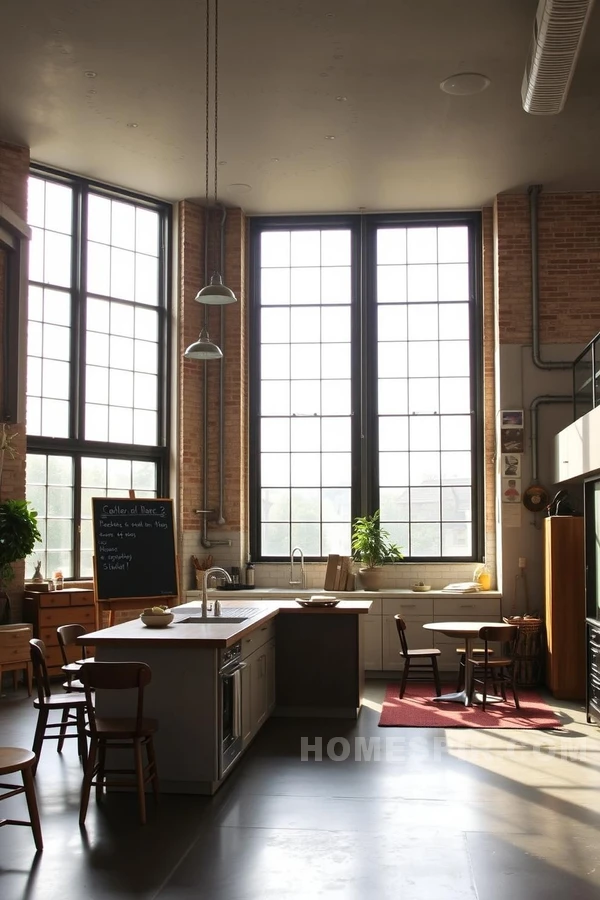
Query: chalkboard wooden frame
(112, 585)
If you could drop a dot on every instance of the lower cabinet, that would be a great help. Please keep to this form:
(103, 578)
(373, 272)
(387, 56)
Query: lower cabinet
(371, 634)
(258, 689)
(381, 644)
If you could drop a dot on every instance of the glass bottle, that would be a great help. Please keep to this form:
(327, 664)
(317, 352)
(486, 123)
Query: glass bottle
(483, 576)
(249, 573)
(58, 580)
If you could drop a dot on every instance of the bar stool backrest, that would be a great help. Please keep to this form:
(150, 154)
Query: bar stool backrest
(37, 650)
(115, 676)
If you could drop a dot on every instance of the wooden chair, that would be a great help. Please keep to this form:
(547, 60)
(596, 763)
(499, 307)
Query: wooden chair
(14, 759)
(111, 733)
(72, 707)
(419, 659)
(14, 652)
(499, 671)
(476, 651)
(67, 638)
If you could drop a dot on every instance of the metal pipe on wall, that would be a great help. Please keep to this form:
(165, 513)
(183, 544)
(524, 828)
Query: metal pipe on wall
(206, 542)
(534, 191)
(542, 399)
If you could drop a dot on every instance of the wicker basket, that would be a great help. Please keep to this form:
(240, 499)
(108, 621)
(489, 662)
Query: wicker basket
(530, 644)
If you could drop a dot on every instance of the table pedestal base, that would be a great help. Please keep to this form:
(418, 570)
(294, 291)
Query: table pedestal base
(463, 697)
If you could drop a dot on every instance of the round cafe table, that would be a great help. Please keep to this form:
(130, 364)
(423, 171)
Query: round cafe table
(468, 631)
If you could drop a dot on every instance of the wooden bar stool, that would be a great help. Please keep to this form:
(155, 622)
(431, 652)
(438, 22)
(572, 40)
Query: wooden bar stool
(72, 707)
(67, 638)
(112, 732)
(14, 759)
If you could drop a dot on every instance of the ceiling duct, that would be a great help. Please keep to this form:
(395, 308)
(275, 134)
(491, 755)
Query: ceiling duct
(558, 32)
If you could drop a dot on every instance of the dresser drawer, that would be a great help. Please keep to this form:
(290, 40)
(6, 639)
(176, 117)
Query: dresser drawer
(49, 599)
(71, 615)
(466, 607)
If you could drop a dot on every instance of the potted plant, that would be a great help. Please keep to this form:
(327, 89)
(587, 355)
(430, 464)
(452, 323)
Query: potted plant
(18, 524)
(371, 546)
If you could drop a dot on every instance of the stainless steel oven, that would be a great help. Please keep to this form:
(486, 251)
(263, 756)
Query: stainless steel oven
(230, 702)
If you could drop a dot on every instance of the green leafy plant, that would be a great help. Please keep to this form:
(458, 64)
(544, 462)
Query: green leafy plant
(371, 544)
(18, 535)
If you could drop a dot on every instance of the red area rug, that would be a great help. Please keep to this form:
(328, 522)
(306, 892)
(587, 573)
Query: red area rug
(418, 710)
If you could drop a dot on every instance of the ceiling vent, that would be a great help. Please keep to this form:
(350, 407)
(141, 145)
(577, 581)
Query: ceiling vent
(557, 36)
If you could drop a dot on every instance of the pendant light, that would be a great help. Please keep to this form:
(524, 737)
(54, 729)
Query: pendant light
(203, 348)
(215, 293)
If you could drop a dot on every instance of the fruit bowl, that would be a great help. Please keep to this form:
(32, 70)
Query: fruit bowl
(419, 586)
(157, 621)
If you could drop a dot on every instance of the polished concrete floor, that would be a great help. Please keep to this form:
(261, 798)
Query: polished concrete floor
(431, 814)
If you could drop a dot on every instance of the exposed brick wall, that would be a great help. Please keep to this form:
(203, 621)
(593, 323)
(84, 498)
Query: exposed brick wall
(569, 267)
(192, 373)
(14, 170)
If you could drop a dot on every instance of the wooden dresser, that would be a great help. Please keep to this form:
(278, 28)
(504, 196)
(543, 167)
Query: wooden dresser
(564, 577)
(46, 610)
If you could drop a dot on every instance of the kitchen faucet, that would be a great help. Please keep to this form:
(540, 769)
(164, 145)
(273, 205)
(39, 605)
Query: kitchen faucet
(302, 581)
(214, 570)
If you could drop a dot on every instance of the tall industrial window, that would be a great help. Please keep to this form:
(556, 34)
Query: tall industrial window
(97, 358)
(366, 384)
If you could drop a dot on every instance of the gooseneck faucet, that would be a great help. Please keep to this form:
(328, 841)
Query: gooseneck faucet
(214, 570)
(302, 581)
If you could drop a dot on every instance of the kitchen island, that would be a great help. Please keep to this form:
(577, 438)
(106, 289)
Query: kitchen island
(215, 684)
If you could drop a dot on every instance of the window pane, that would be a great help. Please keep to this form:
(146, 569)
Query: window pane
(119, 354)
(315, 365)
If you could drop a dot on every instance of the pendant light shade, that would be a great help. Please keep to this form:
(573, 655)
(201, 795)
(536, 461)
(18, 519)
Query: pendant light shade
(203, 348)
(216, 293)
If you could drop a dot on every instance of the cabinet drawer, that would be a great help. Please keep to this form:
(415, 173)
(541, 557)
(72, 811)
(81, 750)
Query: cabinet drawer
(72, 615)
(257, 638)
(49, 599)
(408, 606)
(86, 599)
(466, 607)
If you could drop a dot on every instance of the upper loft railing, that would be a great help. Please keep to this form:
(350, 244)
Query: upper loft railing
(586, 379)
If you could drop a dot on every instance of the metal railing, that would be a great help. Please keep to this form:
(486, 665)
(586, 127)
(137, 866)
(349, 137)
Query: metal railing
(586, 379)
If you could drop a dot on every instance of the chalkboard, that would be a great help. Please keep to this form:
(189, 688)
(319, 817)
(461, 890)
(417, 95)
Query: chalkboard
(134, 548)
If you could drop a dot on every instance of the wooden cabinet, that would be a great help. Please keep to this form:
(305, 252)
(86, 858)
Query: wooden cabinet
(371, 634)
(46, 610)
(271, 697)
(380, 635)
(258, 680)
(564, 582)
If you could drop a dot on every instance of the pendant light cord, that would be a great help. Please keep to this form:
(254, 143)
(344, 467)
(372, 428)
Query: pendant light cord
(216, 98)
(207, 153)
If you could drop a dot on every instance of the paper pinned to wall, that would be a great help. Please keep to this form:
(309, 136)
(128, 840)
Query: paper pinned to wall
(511, 515)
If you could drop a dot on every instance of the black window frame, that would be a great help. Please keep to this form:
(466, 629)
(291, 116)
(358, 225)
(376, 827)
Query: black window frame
(364, 442)
(76, 446)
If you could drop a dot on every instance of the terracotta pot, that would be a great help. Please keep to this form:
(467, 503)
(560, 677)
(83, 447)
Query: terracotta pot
(370, 577)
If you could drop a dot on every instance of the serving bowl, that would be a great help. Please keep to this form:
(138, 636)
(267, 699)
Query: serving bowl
(157, 621)
(421, 587)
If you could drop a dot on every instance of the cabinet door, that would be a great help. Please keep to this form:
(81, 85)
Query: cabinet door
(258, 688)
(371, 626)
(270, 654)
(246, 705)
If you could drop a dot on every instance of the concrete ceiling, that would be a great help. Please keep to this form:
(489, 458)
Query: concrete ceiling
(400, 142)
